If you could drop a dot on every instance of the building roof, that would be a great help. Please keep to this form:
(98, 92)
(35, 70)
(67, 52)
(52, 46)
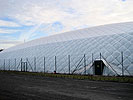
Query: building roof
(117, 28)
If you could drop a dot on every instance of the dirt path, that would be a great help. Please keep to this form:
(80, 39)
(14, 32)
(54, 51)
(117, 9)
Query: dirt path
(14, 87)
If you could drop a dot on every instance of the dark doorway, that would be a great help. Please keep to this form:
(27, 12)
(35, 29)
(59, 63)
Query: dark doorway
(98, 67)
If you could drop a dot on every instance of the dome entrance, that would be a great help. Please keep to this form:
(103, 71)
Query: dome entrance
(98, 67)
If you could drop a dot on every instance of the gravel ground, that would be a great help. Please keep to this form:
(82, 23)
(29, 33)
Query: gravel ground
(28, 87)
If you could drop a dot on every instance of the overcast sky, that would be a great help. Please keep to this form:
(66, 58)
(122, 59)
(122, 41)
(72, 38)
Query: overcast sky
(30, 19)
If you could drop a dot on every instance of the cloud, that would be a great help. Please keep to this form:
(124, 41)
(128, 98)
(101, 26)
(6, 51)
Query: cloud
(8, 31)
(8, 23)
(8, 43)
(52, 28)
(5, 46)
(27, 35)
(70, 15)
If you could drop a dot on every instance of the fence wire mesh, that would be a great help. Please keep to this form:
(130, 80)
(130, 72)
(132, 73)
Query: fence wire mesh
(115, 64)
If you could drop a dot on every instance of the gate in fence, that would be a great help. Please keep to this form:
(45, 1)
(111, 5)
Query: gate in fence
(24, 66)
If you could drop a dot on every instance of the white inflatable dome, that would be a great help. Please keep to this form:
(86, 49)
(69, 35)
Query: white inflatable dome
(112, 43)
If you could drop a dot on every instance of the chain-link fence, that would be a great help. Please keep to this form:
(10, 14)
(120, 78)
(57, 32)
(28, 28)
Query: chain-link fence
(92, 64)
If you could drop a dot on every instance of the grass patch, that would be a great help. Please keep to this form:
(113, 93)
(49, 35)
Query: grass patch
(126, 79)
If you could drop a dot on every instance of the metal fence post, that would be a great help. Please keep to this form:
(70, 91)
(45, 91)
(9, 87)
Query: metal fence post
(69, 63)
(55, 65)
(15, 64)
(93, 66)
(4, 64)
(101, 62)
(26, 65)
(85, 63)
(100, 56)
(122, 63)
(9, 64)
(35, 64)
(21, 64)
(44, 64)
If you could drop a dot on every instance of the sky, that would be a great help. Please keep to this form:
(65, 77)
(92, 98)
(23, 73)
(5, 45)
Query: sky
(25, 20)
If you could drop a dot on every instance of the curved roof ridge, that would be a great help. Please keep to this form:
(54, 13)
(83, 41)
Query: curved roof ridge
(108, 29)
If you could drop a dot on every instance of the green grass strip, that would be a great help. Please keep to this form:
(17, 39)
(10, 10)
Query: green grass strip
(125, 79)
